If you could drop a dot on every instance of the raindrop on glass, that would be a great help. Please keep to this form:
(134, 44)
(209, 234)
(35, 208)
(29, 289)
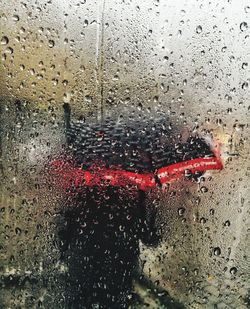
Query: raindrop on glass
(244, 85)
(198, 29)
(211, 211)
(233, 270)
(18, 231)
(4, 40)
(65, 82)
(51, 43)
(203, 220)
(224, 48)
(22, 30)
(217, 251)
(9, 50)
(204, 189)
(244, 65)
(181, 211)
(243, 26)
(247, 9)
(16, 18)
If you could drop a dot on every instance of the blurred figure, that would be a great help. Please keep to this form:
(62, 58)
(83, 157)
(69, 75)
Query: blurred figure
(103, 227)
(108, 211)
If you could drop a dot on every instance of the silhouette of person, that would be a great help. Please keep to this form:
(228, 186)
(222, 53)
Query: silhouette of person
(103, 226)
(104, 223)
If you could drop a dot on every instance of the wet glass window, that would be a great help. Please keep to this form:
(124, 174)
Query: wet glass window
(124, 154)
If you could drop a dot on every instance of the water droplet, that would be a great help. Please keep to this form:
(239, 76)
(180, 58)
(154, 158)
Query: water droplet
(211, 211)
(22, 30)
(244, 65)
(233, 270)
(32, 72)
(18, 231)
(116, 77)
(243, 26)
(156, 99)
(197, 200)
(65, 82)
(227, 223)
(198, 29)
(247, 9)
(181, 211)
(187, 173)
(139, 106)
(9, 50)
(224, 48)
(66, 97)
(16, 18)
(88, 99)
(217, 251)
(39, 76)
(54, 81)
(51, 43)
(204, 189)
(82, 68)
(4, 40)
(244, 85)
(12, 258)
(121, 228)
(128, 217)
(203, 220)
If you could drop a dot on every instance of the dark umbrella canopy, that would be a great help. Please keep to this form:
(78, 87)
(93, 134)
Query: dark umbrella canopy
(144, 153)
(134, 147)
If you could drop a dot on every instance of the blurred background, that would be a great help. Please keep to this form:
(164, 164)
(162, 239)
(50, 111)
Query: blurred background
(186, 59)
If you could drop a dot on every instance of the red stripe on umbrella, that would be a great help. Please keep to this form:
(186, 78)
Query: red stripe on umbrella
(66, 175)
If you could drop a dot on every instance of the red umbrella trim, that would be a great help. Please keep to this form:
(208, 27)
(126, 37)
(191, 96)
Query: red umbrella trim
(66, 175)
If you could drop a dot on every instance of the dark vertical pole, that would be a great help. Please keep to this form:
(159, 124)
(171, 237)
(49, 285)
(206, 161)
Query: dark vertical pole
(67, 114)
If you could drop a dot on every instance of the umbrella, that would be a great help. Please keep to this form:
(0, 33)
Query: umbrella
(123, 152)
(108, 167)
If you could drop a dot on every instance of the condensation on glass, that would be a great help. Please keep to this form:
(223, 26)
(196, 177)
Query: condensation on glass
(186, 59)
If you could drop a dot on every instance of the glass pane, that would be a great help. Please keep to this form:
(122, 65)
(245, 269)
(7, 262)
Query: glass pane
(115, 118)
